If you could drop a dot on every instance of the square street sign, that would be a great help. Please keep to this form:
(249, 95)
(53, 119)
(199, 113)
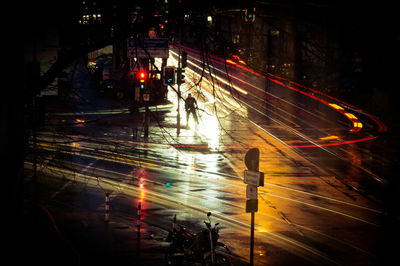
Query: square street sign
(254, 178)
(251, 192)
(251, 205)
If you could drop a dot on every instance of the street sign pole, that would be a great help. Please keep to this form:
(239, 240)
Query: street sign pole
(252, 239)
(253, 178)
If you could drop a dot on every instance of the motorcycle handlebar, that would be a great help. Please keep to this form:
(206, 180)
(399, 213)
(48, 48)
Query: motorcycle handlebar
(208, 224)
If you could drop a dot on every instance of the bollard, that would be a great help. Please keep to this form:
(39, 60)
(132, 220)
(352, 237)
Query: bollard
(139, 214)
(174, 222)
(146, 123)
(107, 208)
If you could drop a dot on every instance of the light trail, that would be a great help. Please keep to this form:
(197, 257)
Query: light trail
(381, 126)
(153, 193)
(356, 125)
(157, 165)
(321, 208)
(190, 205)
(213, 76)
(319, 143)
(252, 107)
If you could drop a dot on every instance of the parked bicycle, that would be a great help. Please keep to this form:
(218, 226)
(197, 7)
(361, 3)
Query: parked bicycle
(187, 248)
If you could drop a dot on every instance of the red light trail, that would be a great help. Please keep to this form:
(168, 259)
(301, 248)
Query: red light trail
(356, 124)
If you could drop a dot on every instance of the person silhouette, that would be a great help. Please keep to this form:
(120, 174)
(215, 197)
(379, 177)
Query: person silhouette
(190, 107)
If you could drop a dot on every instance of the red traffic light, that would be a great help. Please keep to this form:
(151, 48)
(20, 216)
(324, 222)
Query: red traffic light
(142, 76)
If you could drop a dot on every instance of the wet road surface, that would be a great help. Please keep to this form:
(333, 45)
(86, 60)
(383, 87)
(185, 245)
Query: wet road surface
(321, 202)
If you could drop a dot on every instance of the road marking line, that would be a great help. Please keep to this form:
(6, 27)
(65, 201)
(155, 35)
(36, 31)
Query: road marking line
(70, 181)
(61, 189)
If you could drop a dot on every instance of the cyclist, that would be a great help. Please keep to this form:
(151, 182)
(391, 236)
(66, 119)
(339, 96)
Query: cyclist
(190, 107)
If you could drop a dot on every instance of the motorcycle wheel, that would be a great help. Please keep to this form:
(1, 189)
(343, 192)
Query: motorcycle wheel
(221, 260)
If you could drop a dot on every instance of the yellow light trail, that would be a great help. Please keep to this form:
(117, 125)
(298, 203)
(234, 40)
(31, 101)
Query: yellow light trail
(215, 76)
(329, 138)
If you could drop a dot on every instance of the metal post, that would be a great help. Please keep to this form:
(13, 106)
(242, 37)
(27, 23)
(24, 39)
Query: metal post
(139, 215)
(178, 116)
(146, 123)
(252, 161)
(107, 208)
(35, 178)
(252, 240)
(255, 165)
(174, 223)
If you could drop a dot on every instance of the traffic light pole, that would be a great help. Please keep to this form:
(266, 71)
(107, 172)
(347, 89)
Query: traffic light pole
(178, 115)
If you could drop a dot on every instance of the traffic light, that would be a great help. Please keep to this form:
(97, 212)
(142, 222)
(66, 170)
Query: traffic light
(169, 75)
(184, 59)
(250, 14)
(142, 76)
(180, 75)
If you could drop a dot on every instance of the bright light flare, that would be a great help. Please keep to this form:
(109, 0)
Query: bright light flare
(337, 107)
(351, 116)
(79, 122)
(208, 127)
(329, 138)
(231, 62)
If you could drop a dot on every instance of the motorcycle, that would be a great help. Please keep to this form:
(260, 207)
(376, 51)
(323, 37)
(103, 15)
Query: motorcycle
(186, 248)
